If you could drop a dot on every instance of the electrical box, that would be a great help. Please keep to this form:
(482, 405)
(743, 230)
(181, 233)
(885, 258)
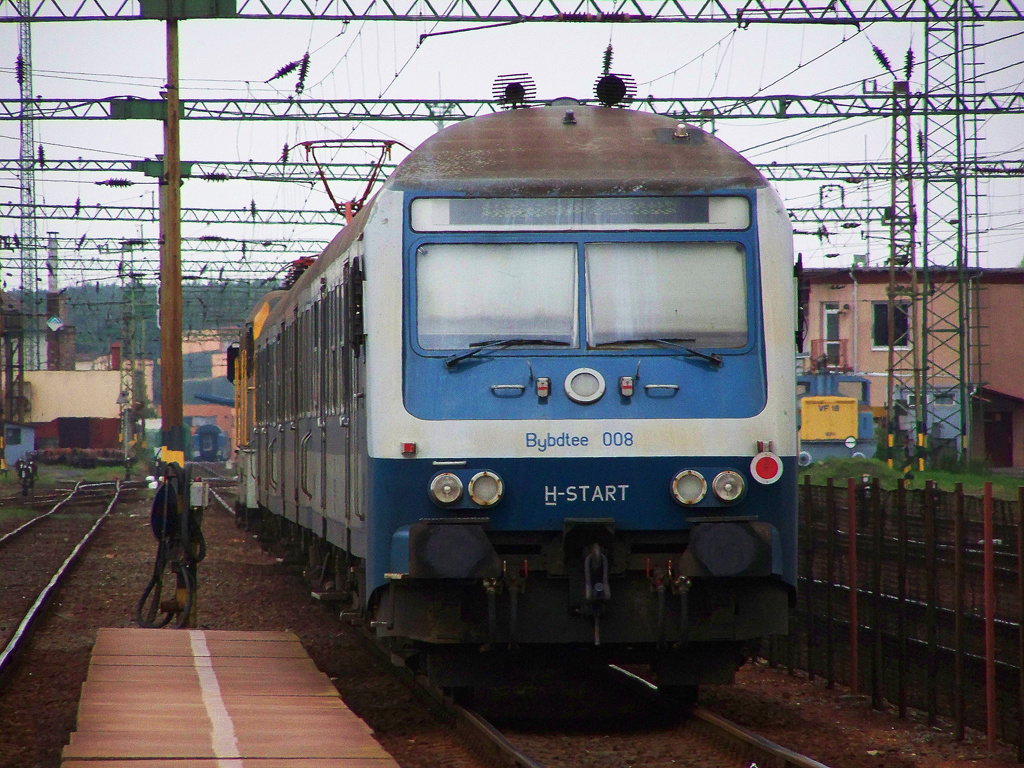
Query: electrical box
(130, 108)
(198, 494)
(153, 168)
(828, 418)
(188, 9)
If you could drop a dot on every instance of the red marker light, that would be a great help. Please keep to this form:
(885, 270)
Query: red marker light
(766, 468)
(408, 449)
(543, 386)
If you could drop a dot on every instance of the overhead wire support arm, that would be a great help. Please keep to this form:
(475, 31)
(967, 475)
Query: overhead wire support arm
(740, 12)
(306, 173)
(866, 105)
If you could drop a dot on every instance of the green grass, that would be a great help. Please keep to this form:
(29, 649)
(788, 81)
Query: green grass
(16, 514)
(973, 478)
(49, 476)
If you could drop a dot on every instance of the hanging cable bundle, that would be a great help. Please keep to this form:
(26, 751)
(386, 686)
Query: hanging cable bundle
(180, 548)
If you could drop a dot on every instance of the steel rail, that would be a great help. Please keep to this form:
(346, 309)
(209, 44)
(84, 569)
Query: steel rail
(473, 728)
(771, 753)
(766, 752)
(489, 741)
(23, 632)
(221, 501)
(17, 531)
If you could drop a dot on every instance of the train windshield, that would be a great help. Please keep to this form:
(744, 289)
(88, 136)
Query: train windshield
(471, 293)
(695, 291)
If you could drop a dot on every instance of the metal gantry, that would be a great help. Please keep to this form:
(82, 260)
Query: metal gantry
(860, 105)
(739, 12)
(850, 172)
(950, 172)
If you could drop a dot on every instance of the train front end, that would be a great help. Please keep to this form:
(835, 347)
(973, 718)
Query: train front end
(580, 397)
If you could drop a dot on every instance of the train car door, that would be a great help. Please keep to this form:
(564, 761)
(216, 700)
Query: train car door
(307, 491)
(290, 439)
(336, 426)
(316, 465)
(355, 380)
(275, 422)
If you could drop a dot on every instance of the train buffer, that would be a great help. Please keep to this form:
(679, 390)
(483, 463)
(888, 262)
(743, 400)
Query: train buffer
(213, 698)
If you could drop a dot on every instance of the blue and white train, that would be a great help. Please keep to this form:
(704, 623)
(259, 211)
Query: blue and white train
(539, 394)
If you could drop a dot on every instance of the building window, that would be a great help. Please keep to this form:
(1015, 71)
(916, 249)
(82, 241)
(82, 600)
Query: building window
(880, 326)
(833, 344)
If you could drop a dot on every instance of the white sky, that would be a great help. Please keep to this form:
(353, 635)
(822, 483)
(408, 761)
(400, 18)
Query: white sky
(225, 59)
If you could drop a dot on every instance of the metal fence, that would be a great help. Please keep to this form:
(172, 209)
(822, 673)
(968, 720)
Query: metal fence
(933, 620)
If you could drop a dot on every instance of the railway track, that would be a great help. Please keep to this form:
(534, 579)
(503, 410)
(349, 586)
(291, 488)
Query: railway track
(51, 551)
(502, 728)
(514, 727)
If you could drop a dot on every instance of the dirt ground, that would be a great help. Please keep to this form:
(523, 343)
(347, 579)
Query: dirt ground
(245, 587)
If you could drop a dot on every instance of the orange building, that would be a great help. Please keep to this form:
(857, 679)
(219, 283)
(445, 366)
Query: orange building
(846, 329)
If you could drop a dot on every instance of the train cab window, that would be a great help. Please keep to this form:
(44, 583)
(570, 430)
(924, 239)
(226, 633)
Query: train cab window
(694, 292)
(469, 293)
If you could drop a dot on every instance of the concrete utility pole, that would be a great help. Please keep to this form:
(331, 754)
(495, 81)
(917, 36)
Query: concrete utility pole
(172, 430)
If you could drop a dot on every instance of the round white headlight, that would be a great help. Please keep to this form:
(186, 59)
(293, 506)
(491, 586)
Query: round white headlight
(728, 486)
(485, 488)
(446, 489)
(584, 385)
(689, 487)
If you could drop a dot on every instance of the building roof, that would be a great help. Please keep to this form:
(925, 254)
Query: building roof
(881, 274)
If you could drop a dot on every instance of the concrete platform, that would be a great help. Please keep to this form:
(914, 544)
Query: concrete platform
(212, 699)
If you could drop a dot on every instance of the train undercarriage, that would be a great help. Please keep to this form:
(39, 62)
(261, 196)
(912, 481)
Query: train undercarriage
(589, 595)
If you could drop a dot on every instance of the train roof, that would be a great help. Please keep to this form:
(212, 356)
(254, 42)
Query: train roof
(536, 152)
(539, 152)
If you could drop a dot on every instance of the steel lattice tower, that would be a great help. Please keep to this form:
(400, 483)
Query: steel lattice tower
(951, 218)
(28, 245)
(904, 347)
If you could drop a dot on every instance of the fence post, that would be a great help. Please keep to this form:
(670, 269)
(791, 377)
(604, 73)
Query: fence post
(1020, 625)
(958, 613)
(830, 526)
(809, 551)
(901, 523)
(876, 586)
(932, 596)
(851, 508)
(990, 626)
